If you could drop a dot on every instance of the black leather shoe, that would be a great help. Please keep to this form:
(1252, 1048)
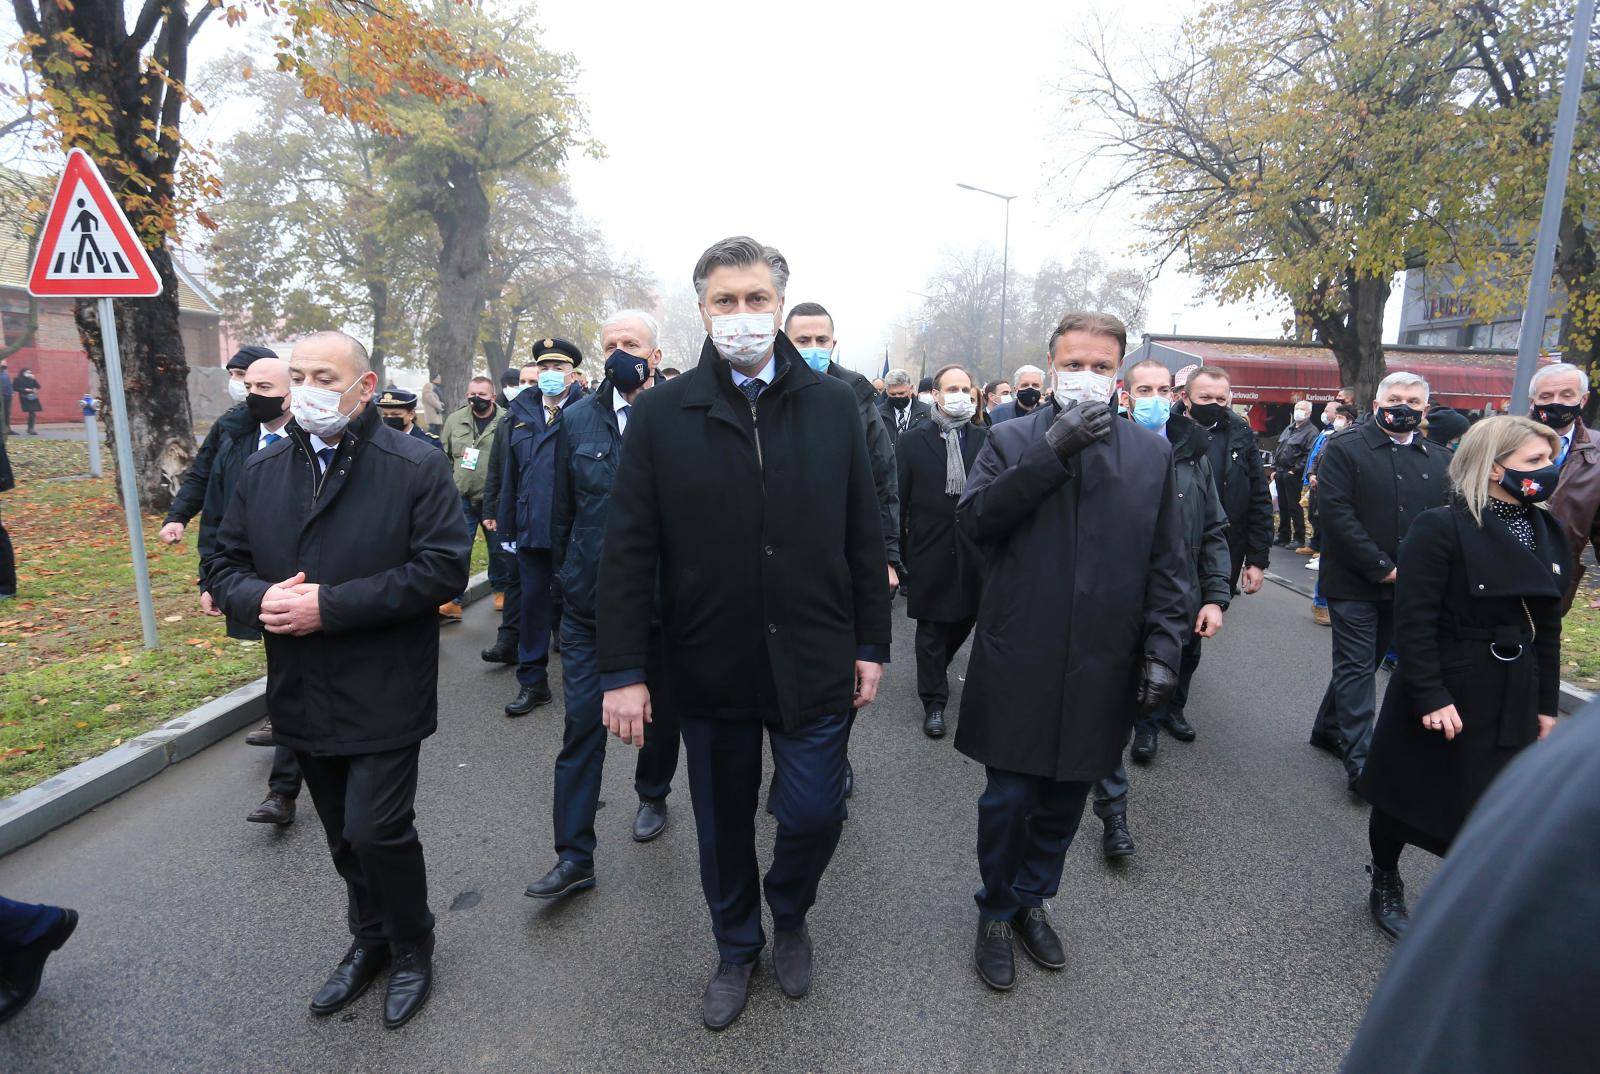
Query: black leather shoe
(409, 984)
(1387, 901)
(996, 961)
(725, 994)
(566, 878)
(650, 821)
(261, 736)
(1179, 727)
(791, 961)
(277, 809)
(849, 779)
(1039, 939)
(1116, 843)
(1144, 746)
(24, 967)
(499, 653)
(528, 699)
(358, 969)
(933, 723)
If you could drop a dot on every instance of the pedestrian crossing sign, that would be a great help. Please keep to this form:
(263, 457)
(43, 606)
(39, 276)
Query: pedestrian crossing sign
(87, 248)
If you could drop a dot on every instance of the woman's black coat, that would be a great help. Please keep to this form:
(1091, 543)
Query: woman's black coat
(26, 388)
(770, 554)
(943, 564)
(1460, 589)
(385, 539)
(1086, 574)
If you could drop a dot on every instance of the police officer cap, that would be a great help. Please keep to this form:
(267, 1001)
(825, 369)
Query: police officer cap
(398, 397)
(559, 348)
(245, 355)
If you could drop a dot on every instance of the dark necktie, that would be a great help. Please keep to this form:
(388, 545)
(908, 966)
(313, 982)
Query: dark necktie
(325, 456)
(752, 389)
(625, 408)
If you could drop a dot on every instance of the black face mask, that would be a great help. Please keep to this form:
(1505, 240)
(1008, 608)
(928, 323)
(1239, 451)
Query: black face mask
(1555, 415)
(1531, 486)
(264, 408)
(481, 406)
(395, 423)
(899, 402)
(1400, 418)
(1028, 398)
(627, 371)
(1208, 414)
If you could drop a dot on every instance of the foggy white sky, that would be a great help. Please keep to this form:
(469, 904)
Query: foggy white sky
(837, 131)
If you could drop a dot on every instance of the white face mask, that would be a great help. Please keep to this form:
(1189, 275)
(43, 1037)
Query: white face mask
(744, 339)
(512, 392)
(1082, 386)
(957, 405)
(237, 390)
(316, 410)
(1340, 423)
(1007, 397)
(925, 397)
(1302, 415)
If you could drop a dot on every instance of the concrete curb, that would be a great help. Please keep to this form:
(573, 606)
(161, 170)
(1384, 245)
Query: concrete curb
(1573, 698)
(38, 810)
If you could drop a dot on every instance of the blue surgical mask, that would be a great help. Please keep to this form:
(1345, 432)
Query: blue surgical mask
(1152, 411)
(552, 382)
(817, 357)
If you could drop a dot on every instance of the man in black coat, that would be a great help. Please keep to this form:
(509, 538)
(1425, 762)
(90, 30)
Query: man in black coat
(810, 328)
(1030, 396)
(901, 408)
(255, 423)
(1372, 483)
(745, 498)
(1242, 485)
(933, 474)
(342, 541)
(1501, 963)
(1083, 613)
(1289, 472)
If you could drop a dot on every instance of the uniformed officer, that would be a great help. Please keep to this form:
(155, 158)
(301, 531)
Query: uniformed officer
(399, 410)
(524, 458)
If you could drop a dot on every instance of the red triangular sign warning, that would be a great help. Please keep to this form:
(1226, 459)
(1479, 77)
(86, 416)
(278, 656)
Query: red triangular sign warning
(88, 248)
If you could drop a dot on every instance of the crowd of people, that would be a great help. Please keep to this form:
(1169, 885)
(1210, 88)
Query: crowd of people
(1088, 522)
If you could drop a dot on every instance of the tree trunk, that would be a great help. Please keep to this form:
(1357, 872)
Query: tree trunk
(378, 301)
(156, 378)
(460, 211)
(1578, 266)
(1354, 332)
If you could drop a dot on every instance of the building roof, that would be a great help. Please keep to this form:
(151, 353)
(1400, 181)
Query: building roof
(1213, 347)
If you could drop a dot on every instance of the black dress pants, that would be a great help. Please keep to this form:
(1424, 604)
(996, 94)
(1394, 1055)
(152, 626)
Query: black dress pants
(936, 646)
(1362, 633)
(8, 564)
(285, 776)
(366, 804)
(1291, 516)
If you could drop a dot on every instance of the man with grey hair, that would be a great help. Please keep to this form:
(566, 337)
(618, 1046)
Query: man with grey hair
(1557, 396)
(902, 410)
(1028, 393)
(341, 541)
(1372, 483)
(761, 547)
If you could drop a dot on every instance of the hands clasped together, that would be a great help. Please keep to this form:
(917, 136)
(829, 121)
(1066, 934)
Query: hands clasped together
(291, 607)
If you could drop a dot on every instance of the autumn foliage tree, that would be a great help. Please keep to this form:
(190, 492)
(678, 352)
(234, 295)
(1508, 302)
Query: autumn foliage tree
(119, 91)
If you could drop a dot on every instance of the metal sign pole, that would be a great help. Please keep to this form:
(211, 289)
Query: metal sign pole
(125, 472)
(1531, 338)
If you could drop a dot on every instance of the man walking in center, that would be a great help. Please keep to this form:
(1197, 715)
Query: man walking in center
(1081, 619)
(763, 541)
(342, 541)
(468, 440)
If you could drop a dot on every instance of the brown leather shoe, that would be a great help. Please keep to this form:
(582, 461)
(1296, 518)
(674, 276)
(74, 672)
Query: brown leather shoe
(277, 809)
(451, 612)
(261, 736)
(499, 602)
(1319, 615)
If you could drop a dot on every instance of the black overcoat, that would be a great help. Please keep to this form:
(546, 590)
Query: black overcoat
(382, 533)
(1460, 588)
(26, 388)
(1369, 492)
(1085, 575)
(765, 531)
(1501, 965)
(944, 564)
(920, 413)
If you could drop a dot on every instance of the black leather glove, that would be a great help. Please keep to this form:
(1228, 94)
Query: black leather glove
(1077, 427)
(1156, 683)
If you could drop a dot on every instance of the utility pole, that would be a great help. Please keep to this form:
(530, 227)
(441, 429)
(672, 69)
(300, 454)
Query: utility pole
(1005, 264)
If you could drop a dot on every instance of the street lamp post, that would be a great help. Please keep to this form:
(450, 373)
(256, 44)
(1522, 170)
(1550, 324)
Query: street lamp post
(1005, 264)
(1555, 189)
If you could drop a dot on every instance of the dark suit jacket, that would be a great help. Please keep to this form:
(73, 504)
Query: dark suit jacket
(944, 564)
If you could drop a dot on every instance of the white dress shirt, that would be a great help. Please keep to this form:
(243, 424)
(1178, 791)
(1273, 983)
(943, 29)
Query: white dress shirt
(317, 444)
(621, 407)
(263, 432)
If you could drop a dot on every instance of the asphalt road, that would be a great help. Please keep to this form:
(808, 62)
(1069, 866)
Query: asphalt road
(1236, 939)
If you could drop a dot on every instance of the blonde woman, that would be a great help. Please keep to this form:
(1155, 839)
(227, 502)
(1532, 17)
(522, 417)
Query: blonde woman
(1478, 624)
